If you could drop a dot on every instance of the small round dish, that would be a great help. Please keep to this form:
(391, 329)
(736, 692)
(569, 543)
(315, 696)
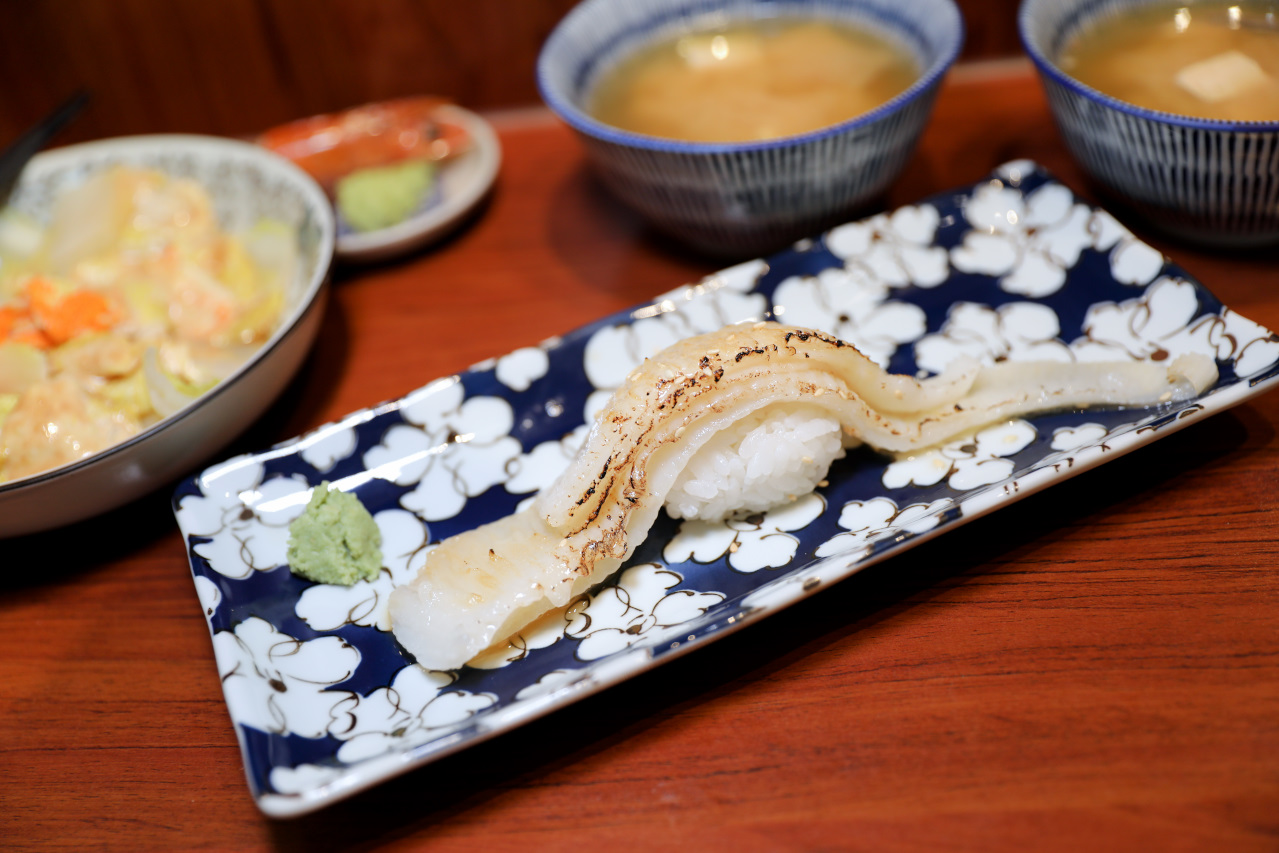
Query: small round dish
(461, 183)
(247, 183)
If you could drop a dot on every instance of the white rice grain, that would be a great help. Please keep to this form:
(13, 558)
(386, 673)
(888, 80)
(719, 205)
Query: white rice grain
(762, 461)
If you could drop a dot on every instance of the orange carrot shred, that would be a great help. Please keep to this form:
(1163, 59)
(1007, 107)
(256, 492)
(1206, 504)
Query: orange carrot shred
(32, 338)
(9, 317)
(62, 318)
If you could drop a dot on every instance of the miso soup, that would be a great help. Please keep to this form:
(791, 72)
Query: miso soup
(1211, 60)
(752, 80)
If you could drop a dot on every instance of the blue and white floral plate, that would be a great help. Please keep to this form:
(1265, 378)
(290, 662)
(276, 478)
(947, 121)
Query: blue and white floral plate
(326, 704)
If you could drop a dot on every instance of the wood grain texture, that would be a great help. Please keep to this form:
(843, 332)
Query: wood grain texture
(1096, 667)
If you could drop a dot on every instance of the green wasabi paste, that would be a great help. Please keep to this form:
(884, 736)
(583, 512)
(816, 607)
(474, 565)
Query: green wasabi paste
(335, 540)
(383, 196)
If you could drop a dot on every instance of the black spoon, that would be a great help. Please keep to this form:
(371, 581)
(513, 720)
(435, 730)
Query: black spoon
(14, 158)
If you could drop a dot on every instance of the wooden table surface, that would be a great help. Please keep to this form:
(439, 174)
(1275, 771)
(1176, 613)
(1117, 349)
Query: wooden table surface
(1096, 667)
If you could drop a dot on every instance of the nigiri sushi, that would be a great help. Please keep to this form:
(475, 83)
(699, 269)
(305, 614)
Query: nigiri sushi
(748, 417)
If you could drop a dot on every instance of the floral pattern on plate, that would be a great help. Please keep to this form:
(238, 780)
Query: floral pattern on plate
(325, 702)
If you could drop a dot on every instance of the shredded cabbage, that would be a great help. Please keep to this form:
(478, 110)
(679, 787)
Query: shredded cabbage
(125, 308)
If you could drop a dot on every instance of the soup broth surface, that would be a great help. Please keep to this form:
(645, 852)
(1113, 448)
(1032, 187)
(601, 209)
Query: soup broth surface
(1208, 60)
(752, 80)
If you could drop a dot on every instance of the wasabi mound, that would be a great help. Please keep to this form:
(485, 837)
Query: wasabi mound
(335, 540)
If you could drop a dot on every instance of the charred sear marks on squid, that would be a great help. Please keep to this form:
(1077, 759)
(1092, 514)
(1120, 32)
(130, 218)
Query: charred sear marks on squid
(483, 585)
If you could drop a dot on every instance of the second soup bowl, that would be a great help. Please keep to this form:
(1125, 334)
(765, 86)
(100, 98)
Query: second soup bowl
(1208, 181)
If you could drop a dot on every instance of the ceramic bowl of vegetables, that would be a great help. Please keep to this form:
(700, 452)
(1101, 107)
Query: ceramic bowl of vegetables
(1172, 107)
(157, 293)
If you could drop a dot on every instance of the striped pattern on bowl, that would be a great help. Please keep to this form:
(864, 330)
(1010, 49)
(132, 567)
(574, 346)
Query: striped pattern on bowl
(741, 199)
(1213, 182)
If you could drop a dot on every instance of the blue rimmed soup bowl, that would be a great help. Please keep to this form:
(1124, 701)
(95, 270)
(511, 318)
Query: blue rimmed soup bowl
(748, 198)
(1211, 182)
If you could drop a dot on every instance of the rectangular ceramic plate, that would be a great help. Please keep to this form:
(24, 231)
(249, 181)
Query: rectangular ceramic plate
(325, 702)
